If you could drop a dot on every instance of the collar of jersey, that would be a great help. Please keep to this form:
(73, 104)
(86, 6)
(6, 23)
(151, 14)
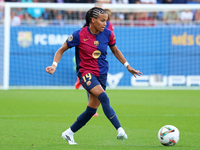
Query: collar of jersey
(90, 31)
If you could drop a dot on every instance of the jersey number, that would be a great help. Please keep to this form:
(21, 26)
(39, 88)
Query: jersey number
(87, 77)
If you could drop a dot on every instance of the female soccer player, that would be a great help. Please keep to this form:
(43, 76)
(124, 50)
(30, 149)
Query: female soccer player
(110, 27)
(91, 43)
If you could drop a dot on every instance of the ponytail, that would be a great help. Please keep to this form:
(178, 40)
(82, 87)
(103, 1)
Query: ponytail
(88, 17)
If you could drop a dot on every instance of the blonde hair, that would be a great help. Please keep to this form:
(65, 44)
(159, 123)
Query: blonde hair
(109, 12)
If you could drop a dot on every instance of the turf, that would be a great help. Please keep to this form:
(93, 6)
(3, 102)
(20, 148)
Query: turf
(35, 119)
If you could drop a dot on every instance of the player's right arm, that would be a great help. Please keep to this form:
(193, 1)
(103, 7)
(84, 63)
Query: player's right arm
(58, 55)
(73, 40)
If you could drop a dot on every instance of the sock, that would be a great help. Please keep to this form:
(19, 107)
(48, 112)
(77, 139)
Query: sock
(83, 119)
(108, 110)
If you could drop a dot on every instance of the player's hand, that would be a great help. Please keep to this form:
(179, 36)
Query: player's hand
(51, 69)
(133, 71)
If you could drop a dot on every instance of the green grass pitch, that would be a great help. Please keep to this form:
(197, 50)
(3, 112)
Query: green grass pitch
(35, 119)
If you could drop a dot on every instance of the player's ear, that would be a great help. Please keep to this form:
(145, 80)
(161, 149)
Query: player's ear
(93, 20)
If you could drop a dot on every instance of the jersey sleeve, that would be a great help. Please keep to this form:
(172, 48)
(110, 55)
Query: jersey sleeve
(112, 40)
(110, 27)
(73, 40)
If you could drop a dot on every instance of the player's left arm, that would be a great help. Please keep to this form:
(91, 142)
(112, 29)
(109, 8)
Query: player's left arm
(122, 59)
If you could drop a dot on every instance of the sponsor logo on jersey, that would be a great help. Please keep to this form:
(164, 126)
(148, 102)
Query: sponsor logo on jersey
(85, 39)
(96, 54)
(24, 39)
(96, 43)
(70, 38)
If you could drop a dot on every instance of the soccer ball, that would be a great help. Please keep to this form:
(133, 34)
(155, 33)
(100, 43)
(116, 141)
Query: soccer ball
(168, 135)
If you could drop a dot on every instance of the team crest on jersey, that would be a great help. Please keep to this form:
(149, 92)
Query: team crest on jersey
(70, 38)
(96, 54)
(88, 83)
(24, 39)
(96, 43)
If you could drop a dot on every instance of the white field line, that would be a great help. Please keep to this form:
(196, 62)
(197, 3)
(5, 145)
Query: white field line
(128, 115)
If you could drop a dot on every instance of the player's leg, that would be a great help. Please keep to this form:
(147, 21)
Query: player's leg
(91, 100)
(99, 92)
(93, 104)
(78, 124)
(86, 115)
(91, 83)
(91, 109)
(77, 86)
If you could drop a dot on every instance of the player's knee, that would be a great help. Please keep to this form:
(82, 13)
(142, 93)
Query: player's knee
(103, 98)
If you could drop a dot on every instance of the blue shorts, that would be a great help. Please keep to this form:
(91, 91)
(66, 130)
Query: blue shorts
(89, 81)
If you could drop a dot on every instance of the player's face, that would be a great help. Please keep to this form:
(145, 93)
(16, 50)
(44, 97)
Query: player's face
(100, 22)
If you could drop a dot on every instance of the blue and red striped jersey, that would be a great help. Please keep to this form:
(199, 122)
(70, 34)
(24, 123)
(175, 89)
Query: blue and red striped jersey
(91, 50)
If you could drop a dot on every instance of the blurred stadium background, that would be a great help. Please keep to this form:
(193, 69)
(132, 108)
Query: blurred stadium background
(160, 38)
